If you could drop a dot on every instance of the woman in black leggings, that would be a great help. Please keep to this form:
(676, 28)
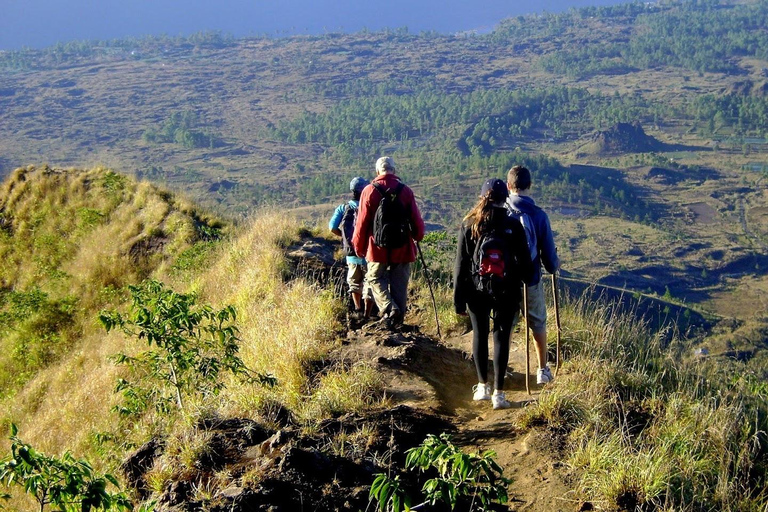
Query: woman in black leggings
(492, 259)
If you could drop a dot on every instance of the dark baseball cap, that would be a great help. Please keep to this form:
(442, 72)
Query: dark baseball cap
(357, 184)
(497, 188)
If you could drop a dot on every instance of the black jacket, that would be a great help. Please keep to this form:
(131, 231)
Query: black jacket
(464, 290)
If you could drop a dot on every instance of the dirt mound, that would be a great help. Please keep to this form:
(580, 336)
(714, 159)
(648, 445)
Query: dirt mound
(287, 469)
(621, 138)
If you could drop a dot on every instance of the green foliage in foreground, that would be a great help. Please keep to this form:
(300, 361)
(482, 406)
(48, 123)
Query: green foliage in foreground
(191, 347)
(647, 426)
(459, 476)
(66, 483)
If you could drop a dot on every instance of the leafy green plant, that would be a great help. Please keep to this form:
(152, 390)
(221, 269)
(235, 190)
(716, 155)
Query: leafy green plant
(476, 477)
(191, 347)
(65, 483)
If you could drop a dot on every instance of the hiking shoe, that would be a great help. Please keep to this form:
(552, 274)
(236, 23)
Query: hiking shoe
(499, 400)
(481, 391)
(397, 318)
(543, 375)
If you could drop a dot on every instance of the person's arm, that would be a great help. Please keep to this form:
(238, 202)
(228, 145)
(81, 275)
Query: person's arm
(335, 222)
(363, 224)
(461, 272)
(417, 222)
(547, 247)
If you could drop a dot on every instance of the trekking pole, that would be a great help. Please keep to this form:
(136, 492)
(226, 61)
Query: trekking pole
(527, 339)
(432, 293)
(557, 320)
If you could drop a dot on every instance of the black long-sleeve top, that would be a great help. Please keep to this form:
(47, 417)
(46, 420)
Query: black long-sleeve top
(464, 290)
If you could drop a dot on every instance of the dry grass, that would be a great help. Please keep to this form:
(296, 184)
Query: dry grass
(645, 427)
(79, 237)
(287, 328)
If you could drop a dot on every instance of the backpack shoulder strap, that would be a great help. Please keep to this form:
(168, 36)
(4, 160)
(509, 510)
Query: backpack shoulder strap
(383, 191)
(387, 192)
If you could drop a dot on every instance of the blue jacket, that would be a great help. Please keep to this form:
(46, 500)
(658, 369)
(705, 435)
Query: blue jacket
(545, 241)
(335, 222)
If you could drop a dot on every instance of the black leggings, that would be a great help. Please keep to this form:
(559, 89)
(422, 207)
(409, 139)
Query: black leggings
(480, 314)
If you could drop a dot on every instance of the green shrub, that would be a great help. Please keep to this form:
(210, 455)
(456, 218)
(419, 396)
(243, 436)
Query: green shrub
(191, 347)
(459, 476)
(66, 483)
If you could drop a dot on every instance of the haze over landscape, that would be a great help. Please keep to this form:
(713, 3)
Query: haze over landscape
(40, 23)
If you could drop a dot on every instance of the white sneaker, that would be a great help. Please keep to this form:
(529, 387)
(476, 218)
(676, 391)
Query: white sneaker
(543, 375)
(500, 401)
(482, 391)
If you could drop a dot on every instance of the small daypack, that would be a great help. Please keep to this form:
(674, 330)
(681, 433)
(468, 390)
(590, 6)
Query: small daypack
(492, 263)
(530, 232)
(347, 225)
(391, 222)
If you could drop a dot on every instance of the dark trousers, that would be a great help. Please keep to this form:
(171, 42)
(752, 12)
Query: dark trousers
(481, 310)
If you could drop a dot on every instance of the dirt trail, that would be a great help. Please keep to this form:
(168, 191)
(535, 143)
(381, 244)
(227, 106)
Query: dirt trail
(438, 377)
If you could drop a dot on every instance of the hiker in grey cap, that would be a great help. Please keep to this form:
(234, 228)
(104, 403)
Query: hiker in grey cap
(389, 259)
(343, 224)
(541, 244)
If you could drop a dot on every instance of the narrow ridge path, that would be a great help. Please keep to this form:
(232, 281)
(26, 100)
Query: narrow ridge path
(437, 377)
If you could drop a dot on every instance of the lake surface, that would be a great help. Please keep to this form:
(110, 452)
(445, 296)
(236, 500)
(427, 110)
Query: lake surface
(41, 23)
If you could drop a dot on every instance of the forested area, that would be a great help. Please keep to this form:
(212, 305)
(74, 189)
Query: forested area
(184, 128)
(496, 118)
(701, 36)
(471, 134)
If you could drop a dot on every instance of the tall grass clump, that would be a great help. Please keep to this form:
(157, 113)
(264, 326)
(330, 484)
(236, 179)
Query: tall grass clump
(644, 426)
(288, 326)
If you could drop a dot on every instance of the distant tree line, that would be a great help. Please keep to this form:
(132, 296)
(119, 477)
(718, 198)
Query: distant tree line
(130, 47)
(183, 128)
(496, 118)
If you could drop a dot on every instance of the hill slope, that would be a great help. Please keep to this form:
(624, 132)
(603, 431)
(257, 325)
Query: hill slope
(343, 405)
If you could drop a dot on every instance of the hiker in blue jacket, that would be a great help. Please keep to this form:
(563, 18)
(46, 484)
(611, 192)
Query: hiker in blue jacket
(541, 243)
(343, 224)
(485, 289)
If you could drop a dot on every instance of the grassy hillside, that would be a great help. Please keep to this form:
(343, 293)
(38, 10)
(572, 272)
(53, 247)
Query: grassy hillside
(70, 242)
(678, 431)
(73, 242)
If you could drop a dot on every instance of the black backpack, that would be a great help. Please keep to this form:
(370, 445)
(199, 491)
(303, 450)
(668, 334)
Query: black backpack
(493, 267)
(391, 222)
(347, 226)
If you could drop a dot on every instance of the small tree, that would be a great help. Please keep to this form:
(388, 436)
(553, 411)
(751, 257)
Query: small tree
(191, 346)
(66, 483)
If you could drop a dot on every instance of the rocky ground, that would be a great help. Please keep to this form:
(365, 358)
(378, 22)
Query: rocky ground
(428, 384)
